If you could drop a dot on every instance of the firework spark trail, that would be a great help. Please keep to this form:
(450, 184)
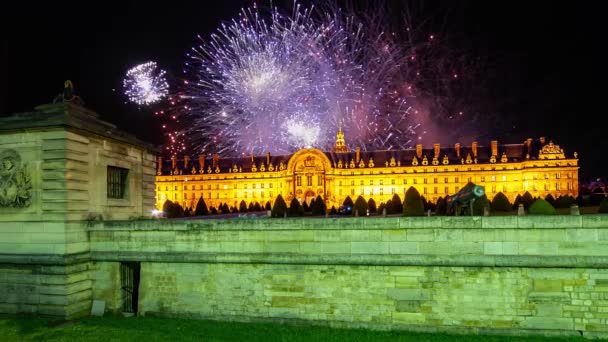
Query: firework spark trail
(145, 84)
(287, 82)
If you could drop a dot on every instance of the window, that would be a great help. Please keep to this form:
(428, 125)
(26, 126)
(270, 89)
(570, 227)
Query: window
(309, 180)
(270, 185)
(446, 190)
(319, 180)
(298, 180)
(381, 191)
(185, 187)
(435, 190)
(262, 185)
(493, 178)
(352, 192)
(425, 181)
(217, 186)
(352, 182)
(404, 181)
(456, 180)
(493, 188)
(117, 182)
(546, 187)
(483, 178)
(392, 182)
(557, 188)
(253, 186)
(446, 180)
(175, 188)
(415, 181)
(558, 176)
(371, 182)
(392, 191)
(435, 180)
(504, 188)
(470, 179)
(340, 183)
(425, 191)
(361, 183)
(382, 182)
(504, 178)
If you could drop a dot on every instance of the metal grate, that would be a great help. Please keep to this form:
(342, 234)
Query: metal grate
(129, 278)
(117, 181)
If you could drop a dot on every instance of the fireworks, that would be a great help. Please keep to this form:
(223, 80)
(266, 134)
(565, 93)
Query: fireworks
(288, 81)
(145, 84)
(274, 82)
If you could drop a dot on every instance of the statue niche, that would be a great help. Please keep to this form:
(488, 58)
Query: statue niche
(15, 181)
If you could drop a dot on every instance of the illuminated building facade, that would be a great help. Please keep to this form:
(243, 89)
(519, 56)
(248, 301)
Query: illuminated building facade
(537, 166)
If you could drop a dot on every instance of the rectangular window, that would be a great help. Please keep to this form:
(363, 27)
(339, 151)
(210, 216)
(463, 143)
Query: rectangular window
(446, 180)
(483, 178)
(425, 191)
(117, 182)
(270, 185)
(298, 180)
(470, 179)
(262, 186)
(320, 180)
(382, 182)
(361, 183)
(493, 188)
(435, 190)
(340, 183)
(253, 186)
(557, 187)
(392, 182)
(185, 187)
(493, 178)
(435, 180)
(504, 188)
(381, 191)
(404, 181)
(392, 191)
(456, 180)
(446, 190)
(352, 183)
(371, 182)
(415, 181)
(558, 176)
(352, 192)
(309, 180)
(504, 178)
(425, 181)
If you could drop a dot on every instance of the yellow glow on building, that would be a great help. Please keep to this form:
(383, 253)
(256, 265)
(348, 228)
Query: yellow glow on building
(535, 166)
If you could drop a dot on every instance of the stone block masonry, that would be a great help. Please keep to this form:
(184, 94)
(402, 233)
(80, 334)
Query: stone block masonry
(480, 274)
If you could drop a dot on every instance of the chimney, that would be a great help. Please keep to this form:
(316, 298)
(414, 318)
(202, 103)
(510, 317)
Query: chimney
(494, 146)
(457, 149)
(357, 154)
(267, 158)
(186, 161)
(436, 148)
(201, 161)
(173, 162)
(542, 140)
(216, 159)
(419, 150)
(160, 163)
(474, 149)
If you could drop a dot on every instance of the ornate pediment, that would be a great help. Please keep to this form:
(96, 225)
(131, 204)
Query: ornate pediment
(15, 181)
(551, 151)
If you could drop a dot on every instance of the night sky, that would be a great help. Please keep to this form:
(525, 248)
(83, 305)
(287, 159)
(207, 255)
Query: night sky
(549, 69)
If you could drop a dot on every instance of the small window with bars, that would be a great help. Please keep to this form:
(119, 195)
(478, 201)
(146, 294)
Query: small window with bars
(117, 182)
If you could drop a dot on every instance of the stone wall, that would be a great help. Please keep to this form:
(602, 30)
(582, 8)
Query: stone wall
(53, 184)
(542, 274)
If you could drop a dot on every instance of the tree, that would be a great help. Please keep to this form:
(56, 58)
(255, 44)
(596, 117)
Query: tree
(603, 209)
(517, 202)
(381, 208)
(480, 205)
(167, 206)
(280, 207)
(267, 206)
(306, 207)
(413, 203)
(360, 206)
(549, 198)
(371, 205)
(213, 211)
(187, 212)
(319, 207)
(243, 206)
(225, 208)
(396, 204)
(389, 207)
(348, 202)
(250, 207)
(425, 204)
(257, 207)
(333, 211)
(527, 200)
(541, 207)
(234, 209)
(295, 208)
(564, 201)
(441, 208)
(500, 202)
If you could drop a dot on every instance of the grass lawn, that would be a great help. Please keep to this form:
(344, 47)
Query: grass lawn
(157, 329)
